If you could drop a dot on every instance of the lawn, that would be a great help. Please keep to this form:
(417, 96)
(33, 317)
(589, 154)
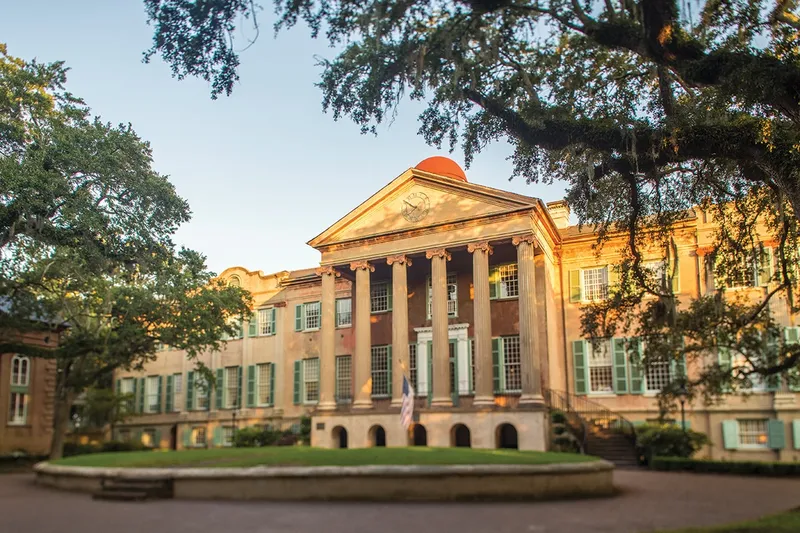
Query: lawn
(305, 456)
(788, 522)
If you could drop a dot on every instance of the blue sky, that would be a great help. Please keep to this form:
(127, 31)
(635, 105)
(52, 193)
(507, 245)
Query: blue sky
(264, 170)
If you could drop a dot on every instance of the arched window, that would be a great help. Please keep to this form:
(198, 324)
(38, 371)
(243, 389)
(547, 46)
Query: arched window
(377, 436)
(234, 281)
(20, 371)
(507, 437)
(460, 436)
(420, 435)
(339, 435)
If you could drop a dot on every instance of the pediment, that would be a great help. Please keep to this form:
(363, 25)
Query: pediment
(416, 200)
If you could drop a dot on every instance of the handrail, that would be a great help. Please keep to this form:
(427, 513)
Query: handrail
(589, 410)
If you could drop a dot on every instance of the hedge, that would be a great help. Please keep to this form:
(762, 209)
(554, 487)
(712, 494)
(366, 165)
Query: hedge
(706, 466)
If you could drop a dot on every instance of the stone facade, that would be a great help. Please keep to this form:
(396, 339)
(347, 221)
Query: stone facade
(432, 264)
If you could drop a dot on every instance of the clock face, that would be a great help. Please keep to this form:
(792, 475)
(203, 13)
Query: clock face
(415, 207)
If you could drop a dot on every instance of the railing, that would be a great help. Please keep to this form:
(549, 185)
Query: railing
(590, 412)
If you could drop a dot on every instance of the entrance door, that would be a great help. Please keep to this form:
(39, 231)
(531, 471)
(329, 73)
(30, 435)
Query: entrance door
(173, 437)
(454, 371)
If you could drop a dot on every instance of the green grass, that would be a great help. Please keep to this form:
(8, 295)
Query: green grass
(788, 522)
(304, 456)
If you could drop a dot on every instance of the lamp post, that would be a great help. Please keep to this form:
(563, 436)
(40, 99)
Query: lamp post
(683, 393)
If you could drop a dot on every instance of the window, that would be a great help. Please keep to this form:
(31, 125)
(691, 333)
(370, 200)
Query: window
(201, 394)
(595, 284)
(126, 387)
(757, 382)
(149, 438)
(750, 272)
(452, 295)
(311, 380)
(505, 279)
(312, 315)
(264, 383)
(151, 394)
(512, 364)
(344, 313)
(344, 382)
(18, 409)
(227, 436)
(20, 371)
(753, 433)
(232, 387)
(238, 333)
(177, 391)
(234, 281)
(199, 436)
(412, 366)
(658, 376)
(601, 372)
(266, 321)
(380, 371)
(380, 297)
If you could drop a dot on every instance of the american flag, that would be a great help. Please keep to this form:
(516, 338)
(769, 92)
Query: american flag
(407, 405)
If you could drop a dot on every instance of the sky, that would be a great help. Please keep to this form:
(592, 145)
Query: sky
(264, 170)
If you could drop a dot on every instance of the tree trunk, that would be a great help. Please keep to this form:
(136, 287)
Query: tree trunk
(61, 409)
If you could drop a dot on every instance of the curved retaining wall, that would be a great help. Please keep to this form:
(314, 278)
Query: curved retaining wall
(376, 483)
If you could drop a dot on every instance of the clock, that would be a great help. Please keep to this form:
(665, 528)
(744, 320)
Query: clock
(415, 206)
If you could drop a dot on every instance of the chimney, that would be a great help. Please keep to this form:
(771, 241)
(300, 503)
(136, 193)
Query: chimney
(559, 212)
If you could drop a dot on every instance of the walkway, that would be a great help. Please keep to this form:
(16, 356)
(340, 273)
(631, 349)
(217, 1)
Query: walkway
(648, 501)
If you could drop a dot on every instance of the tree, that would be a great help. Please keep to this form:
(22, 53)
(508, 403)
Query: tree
(650, 111)
(86, 230)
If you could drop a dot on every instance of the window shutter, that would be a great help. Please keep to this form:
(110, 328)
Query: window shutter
(730, 434)
(272, 384)
(168, 407)
(251, 386)
(469, 366)
(792, 335)
(724, 356)
(496, 364)
(239, 389)
(389, 368)
(765, 267)
(612, 276)
(298, 317)
(678, 368)
(218, 436)
(637, 372)
(157, 439)
(389, 295)
(219, 390)
(253, 329)
(620, 367)
(142, 393)
(776, 437)
(430, 371)
(187, 437)
(298, 368)
(796, 434)
(494, 283)
(676, 277)
(118, 388)
(189, 391)
(575, 286)
(272, 320)
(579, 366)
(158, 397)
(241, 328)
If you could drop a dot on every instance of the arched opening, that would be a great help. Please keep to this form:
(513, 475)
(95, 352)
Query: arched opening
(339, 435)
(460, 436)
(377, 436)
(507, 437)
(420, 435)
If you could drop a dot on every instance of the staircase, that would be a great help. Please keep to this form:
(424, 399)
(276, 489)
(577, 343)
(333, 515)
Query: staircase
(132, 490)
(605, 434)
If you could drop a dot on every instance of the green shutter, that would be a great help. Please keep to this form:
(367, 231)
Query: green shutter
(613, 275)
(389, 294)
(497, 348)
(494, 283)
(469, 366)
(676, 277)
(272, 320)
(219, 390)
(298, 317)
(796, 434)
(298, 368)
(158, 396)
(118, 388)
(765, 268)
(730, 434)
(776, 434)
(187, 437)
(388, 368)
(141, 394)
(272, 384)
(637, 372)
(724, 356)
(430, 371)
(157, 439)
(678, 367)
(218, 436)
(579, 366)
(792, 335)
(620, 367)
(168, 407)
(251, 386)
(239, 389)
(253, 329)
(575, 286)
(189, 391)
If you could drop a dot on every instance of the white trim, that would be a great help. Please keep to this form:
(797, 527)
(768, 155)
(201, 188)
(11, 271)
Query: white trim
(457, 332)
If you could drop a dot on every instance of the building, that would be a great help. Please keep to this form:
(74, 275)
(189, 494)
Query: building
(433, 264)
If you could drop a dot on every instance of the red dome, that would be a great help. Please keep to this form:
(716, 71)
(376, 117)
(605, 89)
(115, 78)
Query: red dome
(443, 166)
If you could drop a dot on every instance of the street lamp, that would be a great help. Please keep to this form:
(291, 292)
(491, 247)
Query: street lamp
(683, 394)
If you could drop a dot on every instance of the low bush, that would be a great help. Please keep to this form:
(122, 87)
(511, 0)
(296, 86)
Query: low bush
(256, 437)
(71, 448)
(707, 466)
(667, 440)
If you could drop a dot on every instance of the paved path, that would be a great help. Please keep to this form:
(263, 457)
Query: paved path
(648, 501)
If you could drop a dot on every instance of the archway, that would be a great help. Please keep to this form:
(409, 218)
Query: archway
(420, 435)
(377, 436)
(507, 437)
(460, 436)
(339, 435)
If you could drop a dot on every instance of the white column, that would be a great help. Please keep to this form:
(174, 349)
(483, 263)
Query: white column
(484, 395)
(441, 348)
(327, 360)
(530, 367)
(362, 356)
(399, 362)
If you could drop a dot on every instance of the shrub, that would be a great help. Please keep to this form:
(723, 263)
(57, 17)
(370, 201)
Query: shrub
(71, 448)
(667, 440)
(255, 437)
(707, 466)
(288, 438)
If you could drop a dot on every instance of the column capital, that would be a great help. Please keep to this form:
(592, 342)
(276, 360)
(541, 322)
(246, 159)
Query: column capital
(519, 239)
(438, 252)
(483, 245)
(401, 259)
(327, 270)
(704, 250)
(362, 265)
